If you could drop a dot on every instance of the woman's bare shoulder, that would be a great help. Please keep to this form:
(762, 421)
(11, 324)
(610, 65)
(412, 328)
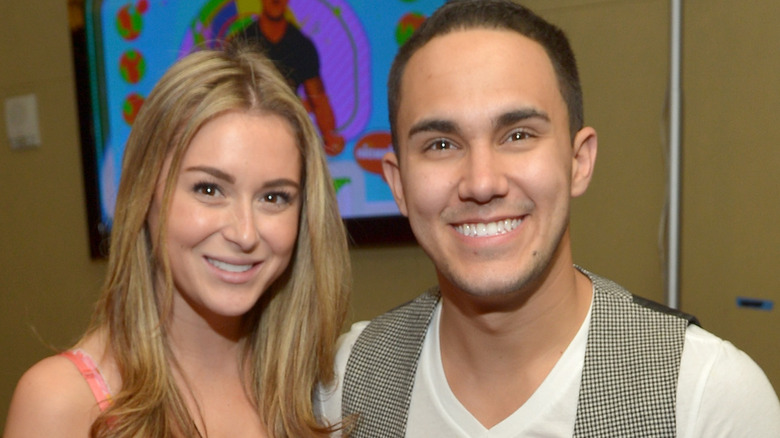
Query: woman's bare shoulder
(51, 399)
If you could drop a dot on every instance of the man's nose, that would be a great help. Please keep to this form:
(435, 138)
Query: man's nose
(483, 176)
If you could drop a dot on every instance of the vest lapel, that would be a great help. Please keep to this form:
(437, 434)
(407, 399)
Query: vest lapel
(380, 370)
(632, 361)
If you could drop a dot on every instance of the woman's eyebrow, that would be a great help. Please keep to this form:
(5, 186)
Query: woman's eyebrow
(216, 173)
(282, 182)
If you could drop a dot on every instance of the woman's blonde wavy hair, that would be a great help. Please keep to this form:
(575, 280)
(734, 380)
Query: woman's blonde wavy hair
(293, 328)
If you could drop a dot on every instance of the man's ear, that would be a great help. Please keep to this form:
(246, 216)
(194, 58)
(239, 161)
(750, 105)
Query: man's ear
(584, 152)
(392, 174)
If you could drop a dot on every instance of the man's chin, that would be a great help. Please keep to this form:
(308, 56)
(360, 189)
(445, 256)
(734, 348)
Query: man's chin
(495, 287)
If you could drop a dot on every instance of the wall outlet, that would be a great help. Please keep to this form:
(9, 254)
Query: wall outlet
(21, 121)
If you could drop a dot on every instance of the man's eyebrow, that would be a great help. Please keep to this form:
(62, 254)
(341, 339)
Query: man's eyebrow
(433, 125)
(216, 173)
(505, 119)
(512, 117)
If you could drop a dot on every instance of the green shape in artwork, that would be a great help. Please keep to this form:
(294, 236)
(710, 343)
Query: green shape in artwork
(338, 183)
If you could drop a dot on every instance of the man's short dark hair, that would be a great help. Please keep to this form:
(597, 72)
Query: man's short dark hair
(492, 14)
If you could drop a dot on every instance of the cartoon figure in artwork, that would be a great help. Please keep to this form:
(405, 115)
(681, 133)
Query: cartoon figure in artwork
(296, 57)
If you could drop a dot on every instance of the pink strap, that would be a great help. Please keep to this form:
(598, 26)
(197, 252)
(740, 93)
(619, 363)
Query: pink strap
(91, 373)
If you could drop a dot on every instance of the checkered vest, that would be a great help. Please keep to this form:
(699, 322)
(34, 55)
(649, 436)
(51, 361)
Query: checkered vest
(629, 378)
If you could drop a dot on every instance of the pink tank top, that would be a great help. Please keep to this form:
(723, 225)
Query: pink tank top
(88, 368)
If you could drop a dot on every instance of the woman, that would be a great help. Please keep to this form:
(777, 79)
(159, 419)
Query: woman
(228, 272)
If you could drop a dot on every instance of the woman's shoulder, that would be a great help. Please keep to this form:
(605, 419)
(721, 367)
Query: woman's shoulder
(51, 399)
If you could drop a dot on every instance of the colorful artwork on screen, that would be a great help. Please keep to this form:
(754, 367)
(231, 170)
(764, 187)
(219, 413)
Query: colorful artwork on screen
(132, 43)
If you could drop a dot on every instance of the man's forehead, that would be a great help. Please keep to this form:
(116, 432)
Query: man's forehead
(499, 70)
(486, 72)
(475, 49)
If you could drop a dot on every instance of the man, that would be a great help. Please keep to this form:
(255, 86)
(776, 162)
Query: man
(486, 114)
(297, 58)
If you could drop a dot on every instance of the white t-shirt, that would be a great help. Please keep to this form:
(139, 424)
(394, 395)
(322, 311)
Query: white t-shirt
(721, 392)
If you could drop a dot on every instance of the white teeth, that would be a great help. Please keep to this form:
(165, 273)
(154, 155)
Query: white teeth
(229, 267)
(488, 229)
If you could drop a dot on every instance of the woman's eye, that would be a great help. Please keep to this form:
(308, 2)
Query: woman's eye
(278, 198)
(207, 189)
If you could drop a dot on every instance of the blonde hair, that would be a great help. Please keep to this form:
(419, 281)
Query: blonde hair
(293, 328)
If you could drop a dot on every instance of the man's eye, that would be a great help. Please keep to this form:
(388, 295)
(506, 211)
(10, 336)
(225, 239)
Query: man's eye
(519, 135)
(441, 145)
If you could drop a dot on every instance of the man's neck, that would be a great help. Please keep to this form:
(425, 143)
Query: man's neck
(272, 28)
(495, 360)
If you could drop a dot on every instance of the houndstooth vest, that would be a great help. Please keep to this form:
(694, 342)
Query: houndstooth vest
(629, 382)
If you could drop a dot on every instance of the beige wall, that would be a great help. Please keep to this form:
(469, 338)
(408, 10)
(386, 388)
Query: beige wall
(730, 244)
(47, 280)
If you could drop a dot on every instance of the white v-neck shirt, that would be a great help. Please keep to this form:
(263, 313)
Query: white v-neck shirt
(550, 411)
(721, 392)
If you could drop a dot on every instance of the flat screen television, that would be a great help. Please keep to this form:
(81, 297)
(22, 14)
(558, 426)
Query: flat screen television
(125, 46)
